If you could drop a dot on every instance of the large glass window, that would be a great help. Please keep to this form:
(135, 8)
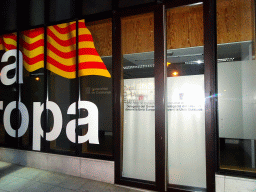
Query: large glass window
(32, 89)
(236, 84)
(185, 96)
(61, 63)
(138, 155)
(66, 106)
(8, 90)
(96, 83)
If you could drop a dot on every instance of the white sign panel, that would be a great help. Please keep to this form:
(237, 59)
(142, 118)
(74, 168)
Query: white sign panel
(186, 130)
(139, 129)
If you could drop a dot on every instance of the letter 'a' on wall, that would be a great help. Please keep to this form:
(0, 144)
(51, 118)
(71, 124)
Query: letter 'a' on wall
(91, 121)
(236, 84)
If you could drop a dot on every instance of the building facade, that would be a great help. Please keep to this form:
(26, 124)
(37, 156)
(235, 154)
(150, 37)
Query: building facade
(151, 94)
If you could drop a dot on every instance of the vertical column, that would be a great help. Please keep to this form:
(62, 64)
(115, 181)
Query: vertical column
(18, 96)
(116, 91)
(45, 145)
(160, 96)
(210, 57)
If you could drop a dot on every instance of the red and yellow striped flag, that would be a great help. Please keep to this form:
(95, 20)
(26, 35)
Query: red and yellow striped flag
(61, 50)
(32, 47)
(8, 42)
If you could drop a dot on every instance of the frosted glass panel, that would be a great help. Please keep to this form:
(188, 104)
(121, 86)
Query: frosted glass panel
(186, 97)
(236, 77)
(186, 131)
(138, 110)
(139, 129)
(236, 101)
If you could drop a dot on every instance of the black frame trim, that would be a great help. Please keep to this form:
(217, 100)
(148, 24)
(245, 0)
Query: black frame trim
(116, 91)
(210, 58)
(160, 73)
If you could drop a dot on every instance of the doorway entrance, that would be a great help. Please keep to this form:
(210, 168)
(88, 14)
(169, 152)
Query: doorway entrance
(163, 112)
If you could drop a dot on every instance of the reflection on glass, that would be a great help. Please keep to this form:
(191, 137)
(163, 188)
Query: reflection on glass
(8, 93)
(96, 83)
(61, 63)
(185, 95)
(32, 89)
(139, 97)
(236, 84)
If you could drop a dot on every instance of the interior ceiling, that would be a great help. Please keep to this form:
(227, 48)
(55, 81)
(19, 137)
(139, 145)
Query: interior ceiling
(188, 55)
(142, 64)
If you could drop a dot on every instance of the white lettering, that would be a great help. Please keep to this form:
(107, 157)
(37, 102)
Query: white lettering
(38, 133)
(37, 128)
(4, 79)
(24, 119)
(91, 120)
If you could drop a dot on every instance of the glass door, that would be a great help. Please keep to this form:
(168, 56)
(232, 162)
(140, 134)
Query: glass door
(138, 134)
(163, 100)
(186, 97)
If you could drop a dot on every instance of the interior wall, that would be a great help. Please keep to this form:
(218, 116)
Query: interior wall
(102, 33)
(190, 20)
(234, 21)
(229, 29)
(138, 33)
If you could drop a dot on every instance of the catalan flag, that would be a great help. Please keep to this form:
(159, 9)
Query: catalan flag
(32, 47)
(8, 42)
(61, 50)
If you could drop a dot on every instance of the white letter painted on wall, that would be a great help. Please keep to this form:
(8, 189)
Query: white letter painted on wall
(91, 120)
(24, 119)
(9, 81)
(37, 128)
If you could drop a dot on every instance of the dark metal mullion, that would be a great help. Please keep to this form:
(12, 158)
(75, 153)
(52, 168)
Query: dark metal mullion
(78, 10)
(18, 91)
(78, 131)
(18, 96)
(45, 145)
(210, 58)
(116, 91)
(160, 97)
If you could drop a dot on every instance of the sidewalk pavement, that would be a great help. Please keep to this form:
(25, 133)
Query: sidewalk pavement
(17, 178)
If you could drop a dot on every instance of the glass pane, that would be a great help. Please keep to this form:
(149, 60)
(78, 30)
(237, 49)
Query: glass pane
(138, 97)
(32, 89)
(236, 84)
(8, 90)
(8, 14)
(92, 7)
(61, 10)
(36, 12)
(95, 71)
(61, 63)
(32, 14)
(185, 95)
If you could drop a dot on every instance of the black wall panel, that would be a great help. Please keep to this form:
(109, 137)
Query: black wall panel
(125, 3)
(96, 6)
(30, 14)
(60, 10)
(8, 13)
